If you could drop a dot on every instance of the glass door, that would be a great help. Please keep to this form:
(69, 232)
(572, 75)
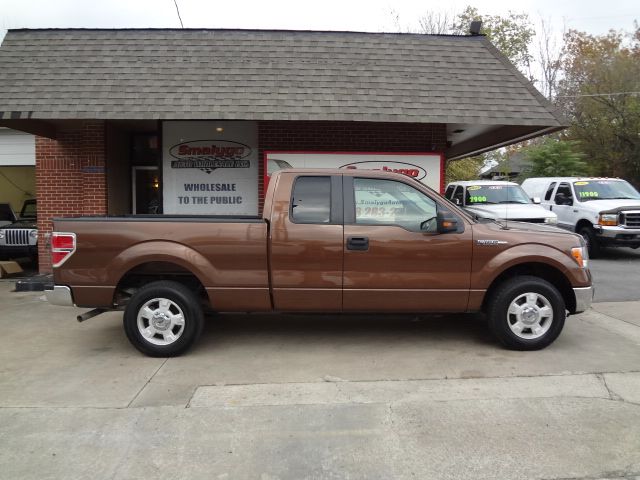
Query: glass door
(146, 191)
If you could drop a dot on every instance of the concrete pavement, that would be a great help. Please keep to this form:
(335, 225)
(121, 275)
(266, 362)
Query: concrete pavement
(317, 397)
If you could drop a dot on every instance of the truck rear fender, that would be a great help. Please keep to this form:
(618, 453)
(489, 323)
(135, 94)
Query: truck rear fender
(163, 252)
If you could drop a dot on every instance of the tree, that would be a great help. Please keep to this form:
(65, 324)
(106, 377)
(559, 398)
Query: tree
(600, 92)
(465, 169)
(554, 157)
(511, 34)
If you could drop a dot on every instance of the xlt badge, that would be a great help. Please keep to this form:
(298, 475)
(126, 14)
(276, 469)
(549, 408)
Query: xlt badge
(491, 242)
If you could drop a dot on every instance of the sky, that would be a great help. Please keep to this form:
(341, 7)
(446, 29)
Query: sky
(592, 16)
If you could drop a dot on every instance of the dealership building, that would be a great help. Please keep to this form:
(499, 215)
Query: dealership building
(164, 121)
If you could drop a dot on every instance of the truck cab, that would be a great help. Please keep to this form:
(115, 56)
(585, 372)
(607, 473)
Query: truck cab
(605, 211)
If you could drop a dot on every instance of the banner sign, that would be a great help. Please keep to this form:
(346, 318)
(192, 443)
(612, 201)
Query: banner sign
(425, 167)
(210, 168)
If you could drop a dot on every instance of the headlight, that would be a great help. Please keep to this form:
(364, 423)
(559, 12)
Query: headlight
(1, 234)
(552, 220)
(581, 256)
(33, 233)
(608, 219)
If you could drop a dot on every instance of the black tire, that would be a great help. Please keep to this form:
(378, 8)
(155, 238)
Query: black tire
(179, 299)
(512, 290)
(593, 245)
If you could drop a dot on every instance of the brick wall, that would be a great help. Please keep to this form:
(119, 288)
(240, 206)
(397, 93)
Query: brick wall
(70, 179)
(348, 137)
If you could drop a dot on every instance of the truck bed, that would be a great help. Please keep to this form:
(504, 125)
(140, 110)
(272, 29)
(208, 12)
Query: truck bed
(226, 255)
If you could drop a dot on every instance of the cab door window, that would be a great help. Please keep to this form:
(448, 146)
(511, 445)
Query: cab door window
(564, 195)
(388, 202)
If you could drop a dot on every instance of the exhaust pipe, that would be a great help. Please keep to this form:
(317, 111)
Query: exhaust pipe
(91, 313)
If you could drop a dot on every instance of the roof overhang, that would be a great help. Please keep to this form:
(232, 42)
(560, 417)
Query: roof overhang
(469, 140)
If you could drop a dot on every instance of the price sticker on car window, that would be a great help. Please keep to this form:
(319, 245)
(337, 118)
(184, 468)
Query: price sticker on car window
(473, 187)
(581, 183)
(478, 199)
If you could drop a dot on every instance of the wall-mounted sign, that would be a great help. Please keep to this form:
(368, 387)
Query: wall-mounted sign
(210, 168)
(425, 167)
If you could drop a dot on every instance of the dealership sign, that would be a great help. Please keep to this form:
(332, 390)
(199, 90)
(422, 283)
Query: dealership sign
(230, 186)
(408, 169)
(424, 167)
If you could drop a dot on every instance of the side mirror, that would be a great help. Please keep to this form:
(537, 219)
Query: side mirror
(536, 200)
(446, 222)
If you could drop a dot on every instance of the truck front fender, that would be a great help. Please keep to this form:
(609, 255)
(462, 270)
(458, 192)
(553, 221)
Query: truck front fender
(485, 272)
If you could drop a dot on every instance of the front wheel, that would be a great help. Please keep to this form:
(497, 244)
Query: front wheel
(163, 319)
(526, 313)
(593, 246)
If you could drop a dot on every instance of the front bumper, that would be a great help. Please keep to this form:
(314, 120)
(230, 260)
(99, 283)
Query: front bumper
(584, 297)
(60, 295)
(18, 251)
(618, 235)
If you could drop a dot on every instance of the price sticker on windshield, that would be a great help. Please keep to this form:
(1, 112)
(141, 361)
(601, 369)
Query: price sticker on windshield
(478, 199)
(473, 187)
(588, 194)
(581, 183)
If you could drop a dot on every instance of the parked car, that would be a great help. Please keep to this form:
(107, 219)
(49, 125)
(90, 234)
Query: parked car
(605, 211)
(498, 200)
(327, 241)
(20, 238)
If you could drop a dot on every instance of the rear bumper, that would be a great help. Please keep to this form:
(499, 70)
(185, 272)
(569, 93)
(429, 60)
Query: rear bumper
(584, 297)
(60, 295)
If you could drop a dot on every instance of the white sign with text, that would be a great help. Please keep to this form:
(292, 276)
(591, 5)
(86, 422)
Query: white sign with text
(210, 168)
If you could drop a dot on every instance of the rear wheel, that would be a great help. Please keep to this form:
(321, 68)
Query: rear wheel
(526, 313)
(163, 319)
(591, 240)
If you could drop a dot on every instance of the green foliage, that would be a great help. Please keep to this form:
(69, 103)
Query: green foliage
(465, 169)
(554, 158)
(600, 93)
(511, 34)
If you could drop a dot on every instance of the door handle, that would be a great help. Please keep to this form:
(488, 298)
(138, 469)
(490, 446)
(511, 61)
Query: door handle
(358, 243)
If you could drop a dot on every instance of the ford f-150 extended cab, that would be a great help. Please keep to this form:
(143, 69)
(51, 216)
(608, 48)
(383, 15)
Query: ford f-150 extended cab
(327, 241)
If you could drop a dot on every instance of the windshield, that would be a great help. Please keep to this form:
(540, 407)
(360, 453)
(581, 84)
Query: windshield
(604, 190)
(495, 194)
(28, 210)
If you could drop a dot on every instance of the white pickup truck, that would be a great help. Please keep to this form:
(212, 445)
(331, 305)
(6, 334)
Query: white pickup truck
(605, 211)
(498, 200)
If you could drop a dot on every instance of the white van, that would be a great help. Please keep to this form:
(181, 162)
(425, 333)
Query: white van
(497, 200)
(605, 211)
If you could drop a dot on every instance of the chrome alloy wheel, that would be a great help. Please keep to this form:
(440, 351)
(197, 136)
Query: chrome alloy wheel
(160, 321)
(530, 315)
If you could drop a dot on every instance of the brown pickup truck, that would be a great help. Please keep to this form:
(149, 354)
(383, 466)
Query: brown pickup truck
(327, 241)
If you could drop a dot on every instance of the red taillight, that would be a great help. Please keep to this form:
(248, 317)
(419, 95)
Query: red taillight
(62, 247)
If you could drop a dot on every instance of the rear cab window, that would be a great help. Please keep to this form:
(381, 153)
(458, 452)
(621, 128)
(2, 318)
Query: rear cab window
(311, 200)
(547, 196)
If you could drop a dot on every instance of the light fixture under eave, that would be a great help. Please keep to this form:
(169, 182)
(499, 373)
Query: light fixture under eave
(156, 182)
(219, 129)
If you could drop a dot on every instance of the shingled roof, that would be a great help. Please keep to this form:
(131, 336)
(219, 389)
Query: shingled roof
(263, 75)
